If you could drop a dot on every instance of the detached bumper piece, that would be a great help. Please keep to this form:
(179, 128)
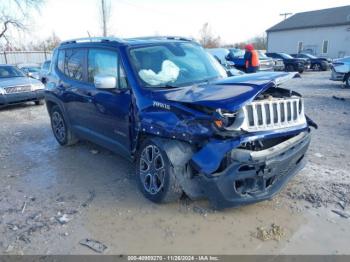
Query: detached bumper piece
(254, 176)
(16, 98)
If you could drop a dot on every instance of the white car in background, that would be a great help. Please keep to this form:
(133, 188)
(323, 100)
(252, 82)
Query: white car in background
(341, 70)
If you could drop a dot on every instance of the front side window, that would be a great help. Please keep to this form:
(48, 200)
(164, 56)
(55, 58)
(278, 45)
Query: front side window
(106, 62)
(74, 63)
(174, 64)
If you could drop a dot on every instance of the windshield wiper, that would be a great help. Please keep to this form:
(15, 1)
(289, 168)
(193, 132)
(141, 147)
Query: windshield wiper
(164, 86)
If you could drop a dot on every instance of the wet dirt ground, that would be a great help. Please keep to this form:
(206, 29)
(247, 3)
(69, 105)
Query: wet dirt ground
(53, 197)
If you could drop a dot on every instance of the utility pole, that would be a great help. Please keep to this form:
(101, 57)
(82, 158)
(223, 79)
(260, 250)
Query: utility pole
(285, 15)
(104, 17)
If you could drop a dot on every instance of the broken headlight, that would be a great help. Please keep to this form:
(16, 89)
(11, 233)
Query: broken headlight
(224, 119)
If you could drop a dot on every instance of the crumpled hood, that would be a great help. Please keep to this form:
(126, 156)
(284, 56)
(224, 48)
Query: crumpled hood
(229, 93)
(17, 81)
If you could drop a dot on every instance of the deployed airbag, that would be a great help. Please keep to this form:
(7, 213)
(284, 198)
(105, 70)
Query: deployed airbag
(169, 73)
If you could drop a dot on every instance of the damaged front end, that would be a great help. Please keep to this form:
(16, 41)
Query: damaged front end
(236, 141)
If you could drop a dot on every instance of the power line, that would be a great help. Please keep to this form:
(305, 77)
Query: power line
(285, 15)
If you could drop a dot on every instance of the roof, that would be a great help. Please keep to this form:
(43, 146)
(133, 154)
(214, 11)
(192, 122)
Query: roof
(127, 41)
(318, 18)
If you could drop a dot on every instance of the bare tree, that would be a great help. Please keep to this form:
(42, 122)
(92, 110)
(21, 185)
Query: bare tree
(47, 45)
(207, 39)
(259, 42)
(14, 14)
(105, 15)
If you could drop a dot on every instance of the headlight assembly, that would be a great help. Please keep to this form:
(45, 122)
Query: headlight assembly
(37, 86)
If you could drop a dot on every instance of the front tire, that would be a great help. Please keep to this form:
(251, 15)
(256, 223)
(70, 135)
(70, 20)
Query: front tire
(317, 67)
(155, 175)
(61, 131)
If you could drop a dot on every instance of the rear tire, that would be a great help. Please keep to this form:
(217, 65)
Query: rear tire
(155, 174)
(61, 131)
(347, 80)
(39, 102)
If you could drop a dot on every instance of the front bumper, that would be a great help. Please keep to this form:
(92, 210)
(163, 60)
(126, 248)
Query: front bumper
(335, 76)
(16, 98)
(279, 67)
(256, 175)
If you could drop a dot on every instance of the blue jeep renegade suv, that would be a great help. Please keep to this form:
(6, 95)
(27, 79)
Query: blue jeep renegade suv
(166, 104)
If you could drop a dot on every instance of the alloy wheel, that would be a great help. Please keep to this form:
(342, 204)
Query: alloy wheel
(58, 126)
(152, 169)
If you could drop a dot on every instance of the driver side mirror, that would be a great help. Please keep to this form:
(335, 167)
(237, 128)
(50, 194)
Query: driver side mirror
(105, 82)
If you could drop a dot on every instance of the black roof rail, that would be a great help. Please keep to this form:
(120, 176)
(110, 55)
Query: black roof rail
(92, 39)
(162, 38)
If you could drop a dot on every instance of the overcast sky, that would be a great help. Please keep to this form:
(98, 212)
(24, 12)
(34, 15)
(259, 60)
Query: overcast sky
(233, 20)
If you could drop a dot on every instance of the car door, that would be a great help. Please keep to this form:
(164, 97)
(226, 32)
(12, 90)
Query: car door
(75, 89)
(111, 107)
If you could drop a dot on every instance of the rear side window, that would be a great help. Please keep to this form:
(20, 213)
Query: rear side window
(106, 62)
(60, 60)
(73, 63)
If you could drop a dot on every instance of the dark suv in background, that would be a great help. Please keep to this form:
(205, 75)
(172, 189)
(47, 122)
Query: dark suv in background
(168, 105)
(316, 63)
(291, 64)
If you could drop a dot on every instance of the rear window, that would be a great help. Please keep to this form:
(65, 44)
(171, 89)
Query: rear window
(71, 63)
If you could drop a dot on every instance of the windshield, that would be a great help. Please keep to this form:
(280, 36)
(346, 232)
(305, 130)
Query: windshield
(262, 54)
(10, 71)
(31, 69)
(174, 65)
(46, 65)
(309, 56)
(286, 56)
(234, 52)
(221, 53)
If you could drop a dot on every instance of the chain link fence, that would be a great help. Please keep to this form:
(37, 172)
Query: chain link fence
(23, 57)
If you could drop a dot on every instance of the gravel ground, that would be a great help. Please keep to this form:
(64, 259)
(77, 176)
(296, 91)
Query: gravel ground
(52, 198)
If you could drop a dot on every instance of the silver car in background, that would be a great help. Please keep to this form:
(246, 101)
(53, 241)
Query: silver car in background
(16, 87)
(341, 70)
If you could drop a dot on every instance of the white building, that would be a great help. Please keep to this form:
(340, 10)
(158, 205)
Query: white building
(323, 33)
